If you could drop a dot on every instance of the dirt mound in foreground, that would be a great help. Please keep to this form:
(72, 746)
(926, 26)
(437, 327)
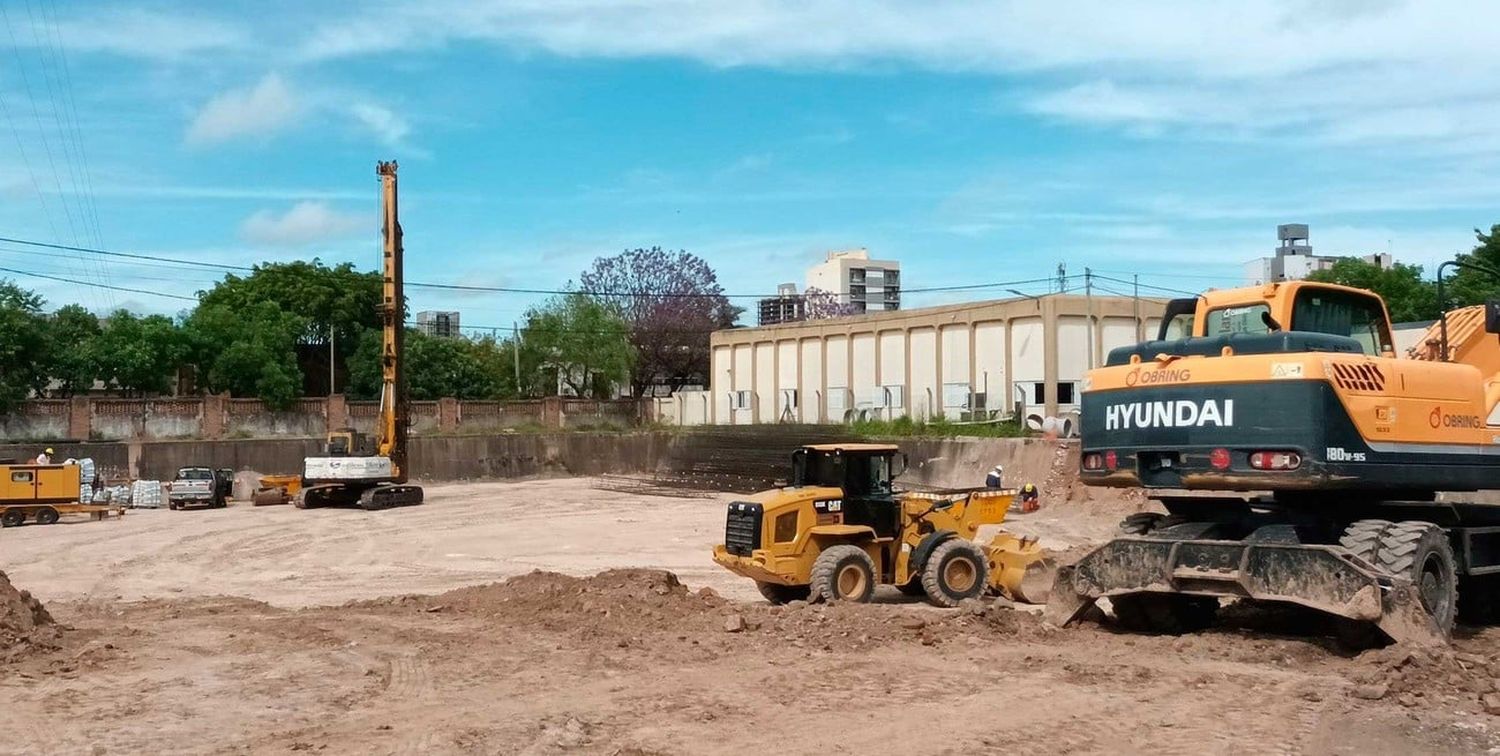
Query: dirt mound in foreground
(24, 622)
(1430, 677)
(614, 601)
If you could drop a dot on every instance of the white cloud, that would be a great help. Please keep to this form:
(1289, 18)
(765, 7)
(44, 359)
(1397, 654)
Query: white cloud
(305, 223)
(1299, 68)
(257, 112)
(139, 33)
(387, 126)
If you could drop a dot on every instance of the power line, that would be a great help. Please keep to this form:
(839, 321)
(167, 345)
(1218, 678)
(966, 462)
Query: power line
(1167, 289)
(148, 292)
(512, 289)
(128, 255)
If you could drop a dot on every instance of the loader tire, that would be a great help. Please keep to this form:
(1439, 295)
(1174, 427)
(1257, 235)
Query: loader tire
(957, 570)
(778, 594)
(843, 573)
(1164, 613)
(1421, 552)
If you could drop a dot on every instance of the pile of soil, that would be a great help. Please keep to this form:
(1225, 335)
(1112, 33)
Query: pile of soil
(24, 623)
(614, 602)
(1064, 489)
(1426, 677)
(847, 626)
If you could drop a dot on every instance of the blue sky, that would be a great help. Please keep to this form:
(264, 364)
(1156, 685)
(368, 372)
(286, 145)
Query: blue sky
(972, 141)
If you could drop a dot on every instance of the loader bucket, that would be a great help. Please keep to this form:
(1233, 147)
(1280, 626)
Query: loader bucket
(1328, 579)
(1020, 569)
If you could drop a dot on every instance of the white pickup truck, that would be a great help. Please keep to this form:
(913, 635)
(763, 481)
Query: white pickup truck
(200, 487)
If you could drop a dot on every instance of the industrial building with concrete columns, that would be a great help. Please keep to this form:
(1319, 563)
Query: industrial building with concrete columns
(1024, 356)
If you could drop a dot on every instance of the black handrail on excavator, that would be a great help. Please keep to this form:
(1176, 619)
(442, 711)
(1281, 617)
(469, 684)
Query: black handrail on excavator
(1442, 301)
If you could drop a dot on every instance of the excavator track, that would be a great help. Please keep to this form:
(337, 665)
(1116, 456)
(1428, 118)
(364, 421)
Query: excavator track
(387, 496)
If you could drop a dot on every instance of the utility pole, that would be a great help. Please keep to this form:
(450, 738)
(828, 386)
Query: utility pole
(1135, 294)
(331, 338)
(515, 352)
(1088, 298)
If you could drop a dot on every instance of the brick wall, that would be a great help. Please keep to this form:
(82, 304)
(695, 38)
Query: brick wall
(219, 417)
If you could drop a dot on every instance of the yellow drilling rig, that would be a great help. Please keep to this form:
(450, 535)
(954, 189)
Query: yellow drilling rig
(357, 469)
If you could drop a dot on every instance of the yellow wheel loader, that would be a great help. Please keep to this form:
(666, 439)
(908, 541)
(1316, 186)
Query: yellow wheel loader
(1298, 460)
(840, 528)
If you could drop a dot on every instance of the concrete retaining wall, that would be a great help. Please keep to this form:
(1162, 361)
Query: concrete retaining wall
(943, 463)
(964, 462)
(432, 458)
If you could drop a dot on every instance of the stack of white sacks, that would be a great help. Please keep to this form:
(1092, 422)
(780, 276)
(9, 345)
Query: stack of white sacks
(147, 494)
(86, 473)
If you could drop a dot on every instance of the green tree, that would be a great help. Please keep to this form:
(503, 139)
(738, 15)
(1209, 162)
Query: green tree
(72, 337)
(1406, 295)
(140, 355)
(436, 367)
(581, 341)
(246, 352)
(1467, 286)
(337, 300)
(23, 345)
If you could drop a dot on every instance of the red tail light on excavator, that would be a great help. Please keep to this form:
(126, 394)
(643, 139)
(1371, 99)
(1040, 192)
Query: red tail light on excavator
(1219, 458)
(1275, 460)
(1111, 461)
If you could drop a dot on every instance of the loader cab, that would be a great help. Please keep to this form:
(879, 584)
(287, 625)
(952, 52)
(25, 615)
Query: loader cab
(865, 473)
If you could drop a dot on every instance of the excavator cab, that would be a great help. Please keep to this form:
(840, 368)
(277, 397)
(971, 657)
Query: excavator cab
(348, 442)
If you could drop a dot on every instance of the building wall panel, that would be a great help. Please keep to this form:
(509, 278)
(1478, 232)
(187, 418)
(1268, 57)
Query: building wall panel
(862, 372)
(956, 361)
(721, 383)
(925, 395)
(766, 404)
(989, 363)
(811, 365)
(786, 380)
(744, 380)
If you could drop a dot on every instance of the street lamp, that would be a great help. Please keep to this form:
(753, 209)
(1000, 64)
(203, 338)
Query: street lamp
(1024, 295)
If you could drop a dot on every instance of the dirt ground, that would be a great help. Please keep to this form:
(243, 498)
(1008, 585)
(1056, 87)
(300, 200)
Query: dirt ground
(273, 630)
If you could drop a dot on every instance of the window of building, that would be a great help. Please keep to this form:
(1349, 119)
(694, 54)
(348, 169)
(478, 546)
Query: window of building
(1038, 393)
(1065, 392)
(955, 395)
(739, 400)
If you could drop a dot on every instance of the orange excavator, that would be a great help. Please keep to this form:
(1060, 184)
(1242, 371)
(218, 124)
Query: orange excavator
(1299, 460)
